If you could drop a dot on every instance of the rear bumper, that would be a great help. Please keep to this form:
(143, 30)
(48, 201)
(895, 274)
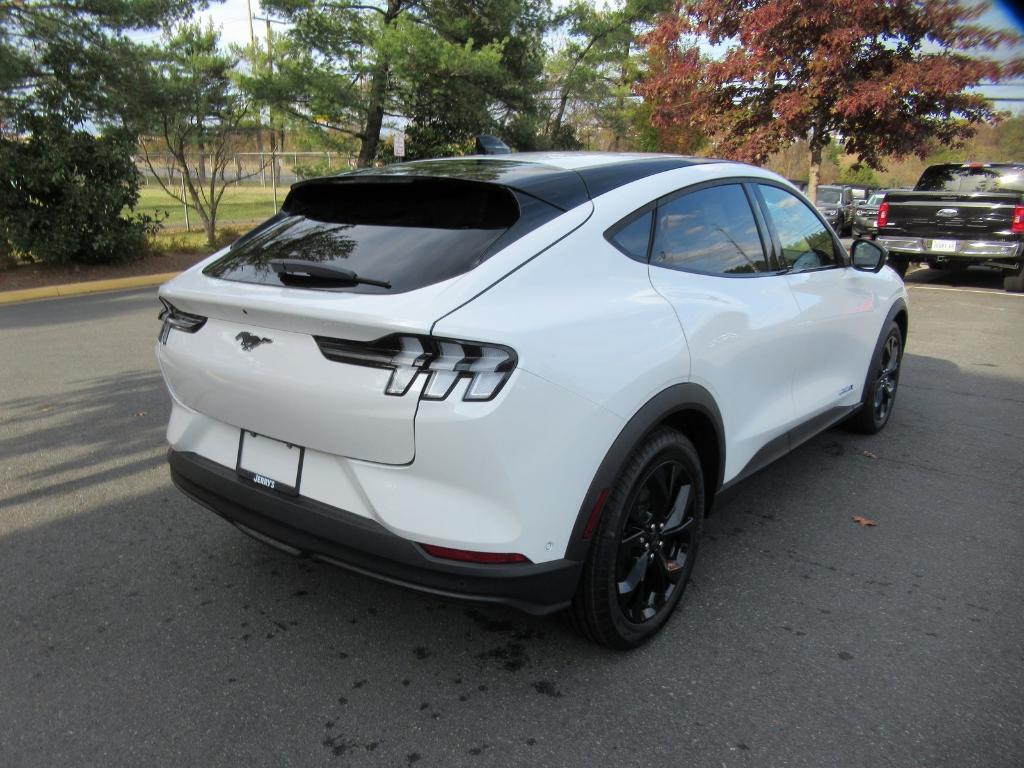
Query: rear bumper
(303, 526)
(979, 250)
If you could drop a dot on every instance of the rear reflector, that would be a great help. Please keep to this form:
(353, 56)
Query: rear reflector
(595, 514)
(1017, 227)
(883, 214)
(466, 556)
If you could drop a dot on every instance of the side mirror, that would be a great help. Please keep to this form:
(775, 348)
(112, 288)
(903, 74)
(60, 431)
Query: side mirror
(868, 256)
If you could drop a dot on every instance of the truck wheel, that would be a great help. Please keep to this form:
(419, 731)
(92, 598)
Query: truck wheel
(1015, 283)
(899, 262)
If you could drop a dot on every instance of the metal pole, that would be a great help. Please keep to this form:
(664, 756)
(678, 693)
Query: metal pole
(270, 117)
(188, 227)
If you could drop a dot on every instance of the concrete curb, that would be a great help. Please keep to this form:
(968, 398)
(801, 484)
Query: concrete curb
(77, 289)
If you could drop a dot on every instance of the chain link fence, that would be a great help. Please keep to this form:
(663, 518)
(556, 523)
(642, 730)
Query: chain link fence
(263, 169)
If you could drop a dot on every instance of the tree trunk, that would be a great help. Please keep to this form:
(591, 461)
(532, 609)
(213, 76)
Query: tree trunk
(202, 161)
(370, 137)
(813, 169)
(374, 117)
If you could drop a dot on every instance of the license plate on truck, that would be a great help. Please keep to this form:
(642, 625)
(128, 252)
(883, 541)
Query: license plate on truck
(269, 463)
(944, 246)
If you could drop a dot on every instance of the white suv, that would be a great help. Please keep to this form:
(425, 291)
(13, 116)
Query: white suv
(522, 379)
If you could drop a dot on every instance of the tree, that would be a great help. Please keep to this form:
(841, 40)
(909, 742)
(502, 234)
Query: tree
(451, 66)
(859, 175)
(590, 77)
(68, 79)
(196, 115)
(66, 192)
(882, 77)
(72, 56)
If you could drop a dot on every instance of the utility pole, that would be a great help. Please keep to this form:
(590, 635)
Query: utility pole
(270, 119)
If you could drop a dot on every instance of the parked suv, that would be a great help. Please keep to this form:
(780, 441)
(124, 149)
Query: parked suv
(521, 379)
(865, 216)
(836, 205)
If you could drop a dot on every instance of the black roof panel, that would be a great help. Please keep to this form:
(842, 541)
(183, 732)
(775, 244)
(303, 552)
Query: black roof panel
(560, 187)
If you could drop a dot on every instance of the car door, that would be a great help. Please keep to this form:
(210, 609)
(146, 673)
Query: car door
(708, 259)
(835, 333)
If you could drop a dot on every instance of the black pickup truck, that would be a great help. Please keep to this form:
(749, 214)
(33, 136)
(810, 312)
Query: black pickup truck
(958, 215)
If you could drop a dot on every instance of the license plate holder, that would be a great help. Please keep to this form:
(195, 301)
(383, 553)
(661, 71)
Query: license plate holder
(269, 463)
(944, 246)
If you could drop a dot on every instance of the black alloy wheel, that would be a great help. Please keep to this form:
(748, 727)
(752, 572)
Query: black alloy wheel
(888, 378)
(645, 545)
(656, 540)
(880, 386)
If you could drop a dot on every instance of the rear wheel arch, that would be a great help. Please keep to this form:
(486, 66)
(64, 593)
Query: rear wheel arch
(901, 319)
(687, 407)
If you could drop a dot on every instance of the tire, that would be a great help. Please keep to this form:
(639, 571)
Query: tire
(635, 575)
(900, 263)
(1015, 283)
(880, 385)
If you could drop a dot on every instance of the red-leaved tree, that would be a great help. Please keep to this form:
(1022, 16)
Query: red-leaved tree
(883, 77)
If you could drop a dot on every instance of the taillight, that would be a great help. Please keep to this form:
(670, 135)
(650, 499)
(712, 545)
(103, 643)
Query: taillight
(883, 214)
(1017, 227)
(443, 361)
(468, 556)
(178, 320)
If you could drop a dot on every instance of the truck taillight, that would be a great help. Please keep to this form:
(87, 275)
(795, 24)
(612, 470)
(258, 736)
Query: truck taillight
(883, 214)
(1017, 227)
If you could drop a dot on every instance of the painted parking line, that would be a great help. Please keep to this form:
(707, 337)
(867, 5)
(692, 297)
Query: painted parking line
(990, 292)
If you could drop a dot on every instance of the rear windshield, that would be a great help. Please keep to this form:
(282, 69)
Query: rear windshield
(407, 232)
(963, 180)
(828, 196)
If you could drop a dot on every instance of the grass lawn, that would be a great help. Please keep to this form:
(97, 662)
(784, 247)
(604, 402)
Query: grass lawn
(239, 206)
(240, 209)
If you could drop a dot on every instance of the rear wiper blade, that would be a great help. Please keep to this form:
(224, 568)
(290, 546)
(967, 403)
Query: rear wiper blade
(301, 268)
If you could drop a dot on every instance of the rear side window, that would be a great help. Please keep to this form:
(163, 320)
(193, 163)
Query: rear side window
(711, 230)
(633, 237)
(408, 232)
(961, 180)
(806, 242)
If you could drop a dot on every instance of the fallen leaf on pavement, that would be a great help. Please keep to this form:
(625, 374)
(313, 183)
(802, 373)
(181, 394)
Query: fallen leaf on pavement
(140, 413)
(869, 455)
(863, 522)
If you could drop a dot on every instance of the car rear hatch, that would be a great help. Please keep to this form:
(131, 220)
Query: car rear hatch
(252, 337)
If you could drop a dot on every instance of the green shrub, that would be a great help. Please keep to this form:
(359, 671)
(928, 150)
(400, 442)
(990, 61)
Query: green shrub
(67, 195)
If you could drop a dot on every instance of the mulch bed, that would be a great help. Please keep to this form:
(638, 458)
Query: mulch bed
(40, 275)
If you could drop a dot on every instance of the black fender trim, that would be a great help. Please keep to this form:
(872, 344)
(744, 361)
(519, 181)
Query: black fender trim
(898, 306)
(677, 399)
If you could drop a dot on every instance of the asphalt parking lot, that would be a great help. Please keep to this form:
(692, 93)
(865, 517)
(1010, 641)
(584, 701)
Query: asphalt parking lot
(139, 629)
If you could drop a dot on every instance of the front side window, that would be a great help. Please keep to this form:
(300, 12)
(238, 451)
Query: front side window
(806, 242)
(711, 230)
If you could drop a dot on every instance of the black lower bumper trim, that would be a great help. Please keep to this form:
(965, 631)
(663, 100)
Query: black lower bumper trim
(306, 527)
